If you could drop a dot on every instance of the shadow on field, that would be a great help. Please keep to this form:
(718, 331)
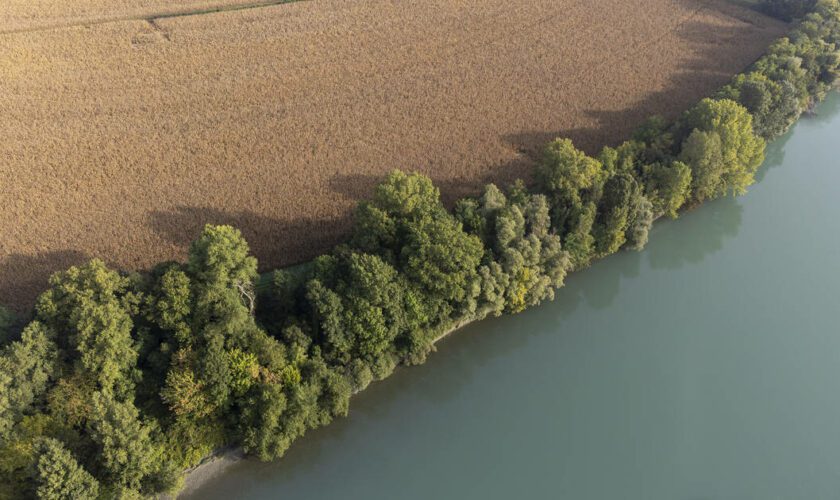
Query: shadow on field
(274, 242)
(362, 186)
(685, 88)
(24, 277)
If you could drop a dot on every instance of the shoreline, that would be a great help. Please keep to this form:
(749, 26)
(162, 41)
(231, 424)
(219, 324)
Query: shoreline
(216, 464)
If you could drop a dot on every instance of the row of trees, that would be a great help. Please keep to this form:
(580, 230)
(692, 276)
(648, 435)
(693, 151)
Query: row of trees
(121, 381)
(796, 71)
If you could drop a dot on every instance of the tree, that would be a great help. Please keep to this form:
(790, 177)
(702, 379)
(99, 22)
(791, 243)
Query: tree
(27, 368)
(60, 477)
(222, 276)
(703, 152)
(773, 105)
(358, 304)
(277, 415)
(398, 202)
(641, 220)
(657, 136)
(7, 320)
(573, 182)
(221, 257)
(90, 308)
(184, 394)
(103, 341)
(667, 187)
(441, 258)
(523, 261)
(722, 150)
(127, 454)
(407, 226)
(621, 193)
(170, 304)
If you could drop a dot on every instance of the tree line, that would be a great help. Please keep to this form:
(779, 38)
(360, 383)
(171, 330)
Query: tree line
(118, 382)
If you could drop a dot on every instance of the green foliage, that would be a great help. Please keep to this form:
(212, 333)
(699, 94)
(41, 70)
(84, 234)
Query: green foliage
(722, 150)
(89, 307)
(524, 262)
(359, 307)
(657, 137)
(277, 415)
(573, 182)
(127, 454)
(407, 225)
(244, 371)
(27, 366)
(170, 304)
(641, 220)
(60, 477)
(398, 203)
(441, 258)
(667, 187)
(220, 257)
(184, 394)
(614, 210)
(773, 105)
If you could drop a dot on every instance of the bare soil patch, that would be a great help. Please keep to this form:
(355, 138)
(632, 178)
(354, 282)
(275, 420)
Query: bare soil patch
(121, 139)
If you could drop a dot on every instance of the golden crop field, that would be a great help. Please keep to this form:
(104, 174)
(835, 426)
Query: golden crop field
(28, 15)
(122, 138)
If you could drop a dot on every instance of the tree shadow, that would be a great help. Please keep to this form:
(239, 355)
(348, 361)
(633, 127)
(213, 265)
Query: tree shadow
(24, 277)
(711, 67)
(703, 232)
(503, 174)
(275, 243)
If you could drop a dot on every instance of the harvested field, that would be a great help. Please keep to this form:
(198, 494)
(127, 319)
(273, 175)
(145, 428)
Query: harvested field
(121, 139)
(36, 15)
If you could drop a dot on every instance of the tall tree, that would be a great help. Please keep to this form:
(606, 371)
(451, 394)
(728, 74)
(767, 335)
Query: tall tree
(721, 148)
(573, 182)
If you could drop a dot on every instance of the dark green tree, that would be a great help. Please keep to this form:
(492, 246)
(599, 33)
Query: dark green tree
(614, 211)
(407, 225)
(667, 187)
(573, 183)
(773, 105)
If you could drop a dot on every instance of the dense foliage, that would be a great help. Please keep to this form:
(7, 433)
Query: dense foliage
(796, 71)
(118, 382)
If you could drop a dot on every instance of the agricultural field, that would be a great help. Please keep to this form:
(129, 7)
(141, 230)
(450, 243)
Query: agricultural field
(29, 15)
(123, 136)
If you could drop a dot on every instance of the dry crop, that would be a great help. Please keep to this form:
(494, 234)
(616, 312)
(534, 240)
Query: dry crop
(121, 139)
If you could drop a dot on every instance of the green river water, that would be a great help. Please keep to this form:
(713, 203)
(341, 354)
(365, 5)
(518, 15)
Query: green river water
(705, 367)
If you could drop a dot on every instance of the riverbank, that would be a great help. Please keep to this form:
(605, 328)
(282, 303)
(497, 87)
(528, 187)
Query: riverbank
(216, 465)
(703, 367)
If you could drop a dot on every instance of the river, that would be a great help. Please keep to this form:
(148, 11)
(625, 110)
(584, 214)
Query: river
(705, 367)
